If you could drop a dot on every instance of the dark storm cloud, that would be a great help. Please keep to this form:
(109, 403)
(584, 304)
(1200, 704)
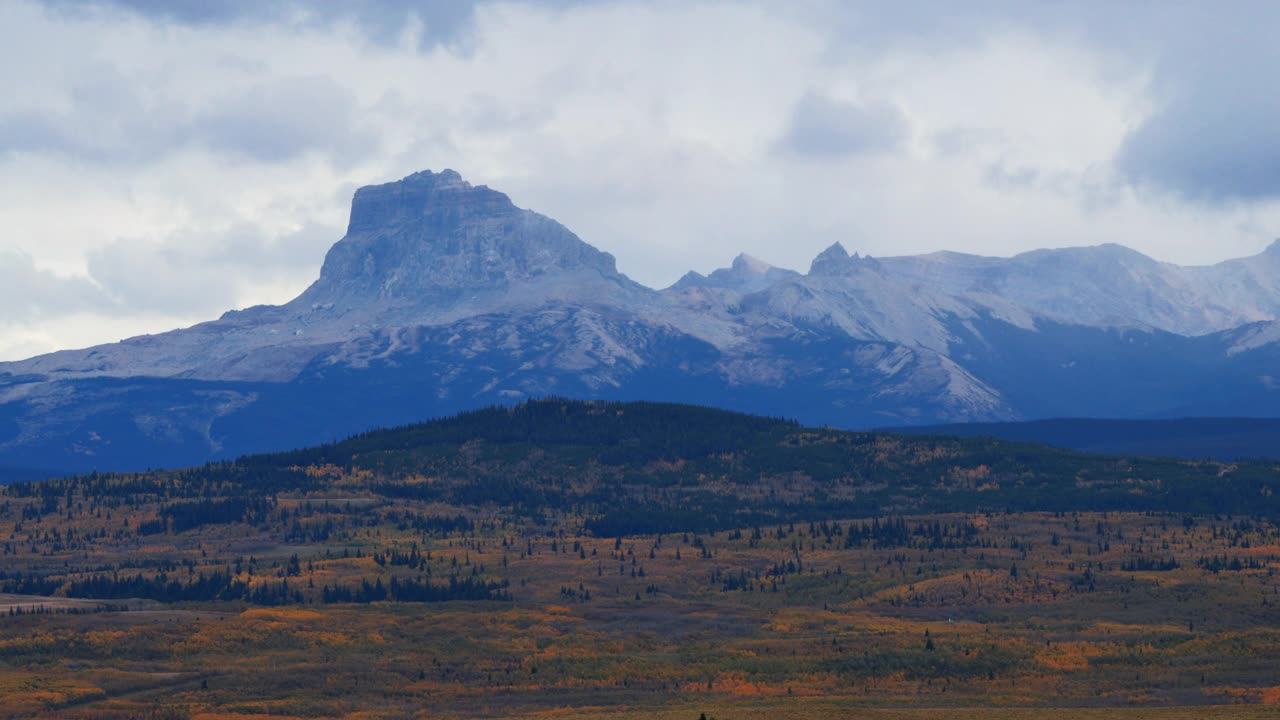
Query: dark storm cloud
(1212, 136)
(269, 122)
(1207, 139)
(1207, 148)
(105, 118)
(444, 21)
(189, 11)
(283, 119)
(824, 127)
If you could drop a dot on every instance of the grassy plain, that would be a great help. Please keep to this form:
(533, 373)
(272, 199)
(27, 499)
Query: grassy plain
(413, 577)
(995, 611)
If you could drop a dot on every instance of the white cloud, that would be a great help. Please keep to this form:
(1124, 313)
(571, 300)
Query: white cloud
(28, 292)
(182, 163)
(201, 274)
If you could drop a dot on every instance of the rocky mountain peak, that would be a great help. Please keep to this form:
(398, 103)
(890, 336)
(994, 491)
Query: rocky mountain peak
(834, 260)
(691, 279)
(745, 263)
(746, 274)
(433, 236)
(423, 195)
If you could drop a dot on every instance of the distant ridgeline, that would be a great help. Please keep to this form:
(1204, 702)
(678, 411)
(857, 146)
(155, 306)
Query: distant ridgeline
(1196, 438)
(21, 474)
(628, 468)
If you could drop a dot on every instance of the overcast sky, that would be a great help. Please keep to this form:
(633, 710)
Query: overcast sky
(162, 161)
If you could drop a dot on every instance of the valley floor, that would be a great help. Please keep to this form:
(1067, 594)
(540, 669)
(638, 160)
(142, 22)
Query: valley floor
(1115, 616)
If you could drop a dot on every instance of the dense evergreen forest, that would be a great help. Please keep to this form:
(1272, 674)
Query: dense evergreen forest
(630, 468)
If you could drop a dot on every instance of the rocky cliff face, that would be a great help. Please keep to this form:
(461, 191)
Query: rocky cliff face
(444, 296)
(432, 237)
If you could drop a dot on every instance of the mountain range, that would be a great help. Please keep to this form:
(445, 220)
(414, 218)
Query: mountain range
(445, 296)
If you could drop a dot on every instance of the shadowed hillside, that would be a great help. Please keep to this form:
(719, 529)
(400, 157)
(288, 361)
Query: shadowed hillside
(649, 467)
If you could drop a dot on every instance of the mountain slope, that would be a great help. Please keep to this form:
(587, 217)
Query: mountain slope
(444, 296)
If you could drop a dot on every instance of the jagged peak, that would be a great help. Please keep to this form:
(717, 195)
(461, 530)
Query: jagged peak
(693, 278)
(745, 274)
(745, 263)
(447, 176)
(834, 250)
(831, 261)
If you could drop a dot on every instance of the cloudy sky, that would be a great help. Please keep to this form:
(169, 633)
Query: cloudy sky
(162, 161)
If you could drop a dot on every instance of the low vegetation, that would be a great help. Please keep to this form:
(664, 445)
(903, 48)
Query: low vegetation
(645, 560)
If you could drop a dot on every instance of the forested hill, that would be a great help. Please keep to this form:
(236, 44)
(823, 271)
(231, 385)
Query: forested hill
(615, 433)
(621, 468)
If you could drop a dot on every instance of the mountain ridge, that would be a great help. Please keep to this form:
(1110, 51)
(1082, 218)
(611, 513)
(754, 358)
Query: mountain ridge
(444, 296)
(1223, 439)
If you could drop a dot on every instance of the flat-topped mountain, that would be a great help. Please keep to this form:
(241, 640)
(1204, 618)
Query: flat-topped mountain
(432, 238)
(445, 296)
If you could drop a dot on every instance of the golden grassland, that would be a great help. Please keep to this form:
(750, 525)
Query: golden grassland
(1101, 615)
(821, 709)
